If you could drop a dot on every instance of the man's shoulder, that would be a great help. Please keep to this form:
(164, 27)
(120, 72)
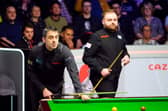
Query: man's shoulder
(138, 42)
(63, 50)
(48, 19)
(97, 35)
(100, 31)
(140, 19)
(21, 44)
(62, 18)
(62, 47)
(37, 48)
(156, 19)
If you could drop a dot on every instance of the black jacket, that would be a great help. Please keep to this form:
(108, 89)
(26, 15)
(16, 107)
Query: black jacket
(46, 68)
(102, 49)
(79, 27)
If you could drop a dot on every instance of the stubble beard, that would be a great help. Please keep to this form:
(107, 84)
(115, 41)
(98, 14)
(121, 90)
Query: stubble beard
(112, 27)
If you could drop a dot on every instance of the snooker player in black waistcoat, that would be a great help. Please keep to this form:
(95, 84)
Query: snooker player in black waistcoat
(101, 50)
(46, 66)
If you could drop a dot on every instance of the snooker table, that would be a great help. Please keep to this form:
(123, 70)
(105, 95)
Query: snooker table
(106, 104)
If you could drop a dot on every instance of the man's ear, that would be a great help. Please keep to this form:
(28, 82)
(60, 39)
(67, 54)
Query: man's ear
(43, 39)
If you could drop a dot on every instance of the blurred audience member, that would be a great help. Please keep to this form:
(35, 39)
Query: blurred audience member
(23, 7)
(0, 19)
(55, 20)
(67, 36)
(85, 24)
(166, 27)
(155, 23)
(160, 8)
(125, 23)
(27, 40)
(26, 44)
(45, 6)
(146, 40)
(10, 29)
(38, 23)
(129, 8)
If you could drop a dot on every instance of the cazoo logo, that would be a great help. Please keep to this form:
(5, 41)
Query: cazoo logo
(161, 67)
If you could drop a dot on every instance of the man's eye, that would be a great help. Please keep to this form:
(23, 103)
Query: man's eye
(115, 20)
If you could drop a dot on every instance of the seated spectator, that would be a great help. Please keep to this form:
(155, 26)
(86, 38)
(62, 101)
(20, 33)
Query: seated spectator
(125, 23)
(0, 19)
(155, 23)
(160, 8)
(55, 20)
(27, 40)
(67, 36)
(166, 27)
(45, 6)
(85, 24)
(10, 28)
(26, 44)
(23, 7)
(146, 40)
(38, 23)
(129, 8)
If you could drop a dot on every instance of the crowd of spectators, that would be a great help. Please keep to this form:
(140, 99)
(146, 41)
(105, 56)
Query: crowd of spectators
(142, 22)
(82, 18)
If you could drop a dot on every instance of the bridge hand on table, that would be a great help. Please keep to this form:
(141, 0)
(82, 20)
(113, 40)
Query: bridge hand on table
(84, 97)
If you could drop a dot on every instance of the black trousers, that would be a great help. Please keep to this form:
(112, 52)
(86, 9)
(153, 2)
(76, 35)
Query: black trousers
(106, 85)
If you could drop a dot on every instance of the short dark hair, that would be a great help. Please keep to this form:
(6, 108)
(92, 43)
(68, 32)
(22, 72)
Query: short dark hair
(29, 25)
(47, 29)
(66, 27)
(146, 25)
(31, 8)
(10, 5)
(114, 2)
(55, 2)
(85, 1)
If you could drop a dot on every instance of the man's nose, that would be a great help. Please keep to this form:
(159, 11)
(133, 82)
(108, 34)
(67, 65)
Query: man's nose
(54, 39)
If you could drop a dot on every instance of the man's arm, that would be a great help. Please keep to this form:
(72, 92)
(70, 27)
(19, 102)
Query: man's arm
(32, 74)
(126, 57)
(160, 31)
(137, 28)
(6, 43)
(72, 68)
(89, 54)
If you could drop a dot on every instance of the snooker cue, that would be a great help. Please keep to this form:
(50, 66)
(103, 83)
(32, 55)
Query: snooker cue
(110, 66)
(90, 93)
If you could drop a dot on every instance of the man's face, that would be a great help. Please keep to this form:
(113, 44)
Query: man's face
(147, 10)
(110, 21)
(116, 7)
(87, 7)
(56, 10)
(51, 40)
(36, 12)
(11, 13)
(28, 33)
(68, 34)
(147, 32)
